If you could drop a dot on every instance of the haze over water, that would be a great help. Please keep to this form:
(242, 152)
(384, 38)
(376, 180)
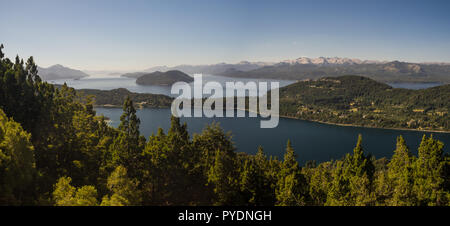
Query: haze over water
(130, 83)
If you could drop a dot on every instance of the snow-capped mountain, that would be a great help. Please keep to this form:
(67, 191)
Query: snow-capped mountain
(329, 60)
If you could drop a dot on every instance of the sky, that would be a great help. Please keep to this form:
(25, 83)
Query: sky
(135, 35)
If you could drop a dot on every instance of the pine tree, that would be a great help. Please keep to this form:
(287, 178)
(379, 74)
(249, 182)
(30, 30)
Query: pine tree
(429, 173)
(400, 176)
(352, 183)
(361, 170)
(255, 183)
(320, 182)
(291, 185)
(222, 178)
(129, 122)
(65, 194)
(1, 51)
(128, 145)
(124, 190)
(17, 164)
(211, 139)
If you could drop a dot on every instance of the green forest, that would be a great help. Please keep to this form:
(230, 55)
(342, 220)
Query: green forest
(357, 100)
(54, 150)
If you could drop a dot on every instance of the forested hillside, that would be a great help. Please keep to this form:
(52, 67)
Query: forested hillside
(362, 101)
(116, 97)
(55, 151)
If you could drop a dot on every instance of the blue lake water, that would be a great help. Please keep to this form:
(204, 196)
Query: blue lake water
(311, 141)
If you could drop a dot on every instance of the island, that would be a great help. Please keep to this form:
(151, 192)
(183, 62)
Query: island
(163, 78)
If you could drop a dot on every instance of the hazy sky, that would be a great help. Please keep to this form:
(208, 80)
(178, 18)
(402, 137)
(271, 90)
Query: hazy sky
(134, 35)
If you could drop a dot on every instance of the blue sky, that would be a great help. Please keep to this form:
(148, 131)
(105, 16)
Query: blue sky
(134, 35)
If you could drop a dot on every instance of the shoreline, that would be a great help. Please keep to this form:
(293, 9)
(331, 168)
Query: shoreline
(374, 127)
(353, 125)
(316, 121)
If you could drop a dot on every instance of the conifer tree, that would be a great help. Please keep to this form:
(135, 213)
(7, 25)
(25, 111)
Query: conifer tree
(339, 193)
(352, 183)
(17, 164)
(291, 185)
(320, 182)
(129, 122)
(124, 190)
(400, 176)
(128, 145)
(1, 51)
(222, 178)
(65, 194)
(360, 171)
(429, 173)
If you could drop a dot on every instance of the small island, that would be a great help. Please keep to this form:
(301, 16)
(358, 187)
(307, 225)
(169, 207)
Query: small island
(163, 78)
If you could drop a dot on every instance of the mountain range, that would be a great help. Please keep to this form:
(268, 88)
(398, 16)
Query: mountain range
(329, 61)
(298, 69)
(214, 69)
(306, 68)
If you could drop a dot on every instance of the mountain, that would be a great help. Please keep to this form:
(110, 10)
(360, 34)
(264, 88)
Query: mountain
(329, 61)
(60, 72)
(104, 73)
(133, 74)
(305, 68)
(163, 78)
(214, 69)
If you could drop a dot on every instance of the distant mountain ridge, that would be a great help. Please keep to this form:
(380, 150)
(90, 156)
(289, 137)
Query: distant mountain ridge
(303, 69)
(313, 68)
(58, 71)
(330, 60)
(212, 68)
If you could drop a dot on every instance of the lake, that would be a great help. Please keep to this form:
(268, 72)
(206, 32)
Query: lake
(311, 141)
(130, 83)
